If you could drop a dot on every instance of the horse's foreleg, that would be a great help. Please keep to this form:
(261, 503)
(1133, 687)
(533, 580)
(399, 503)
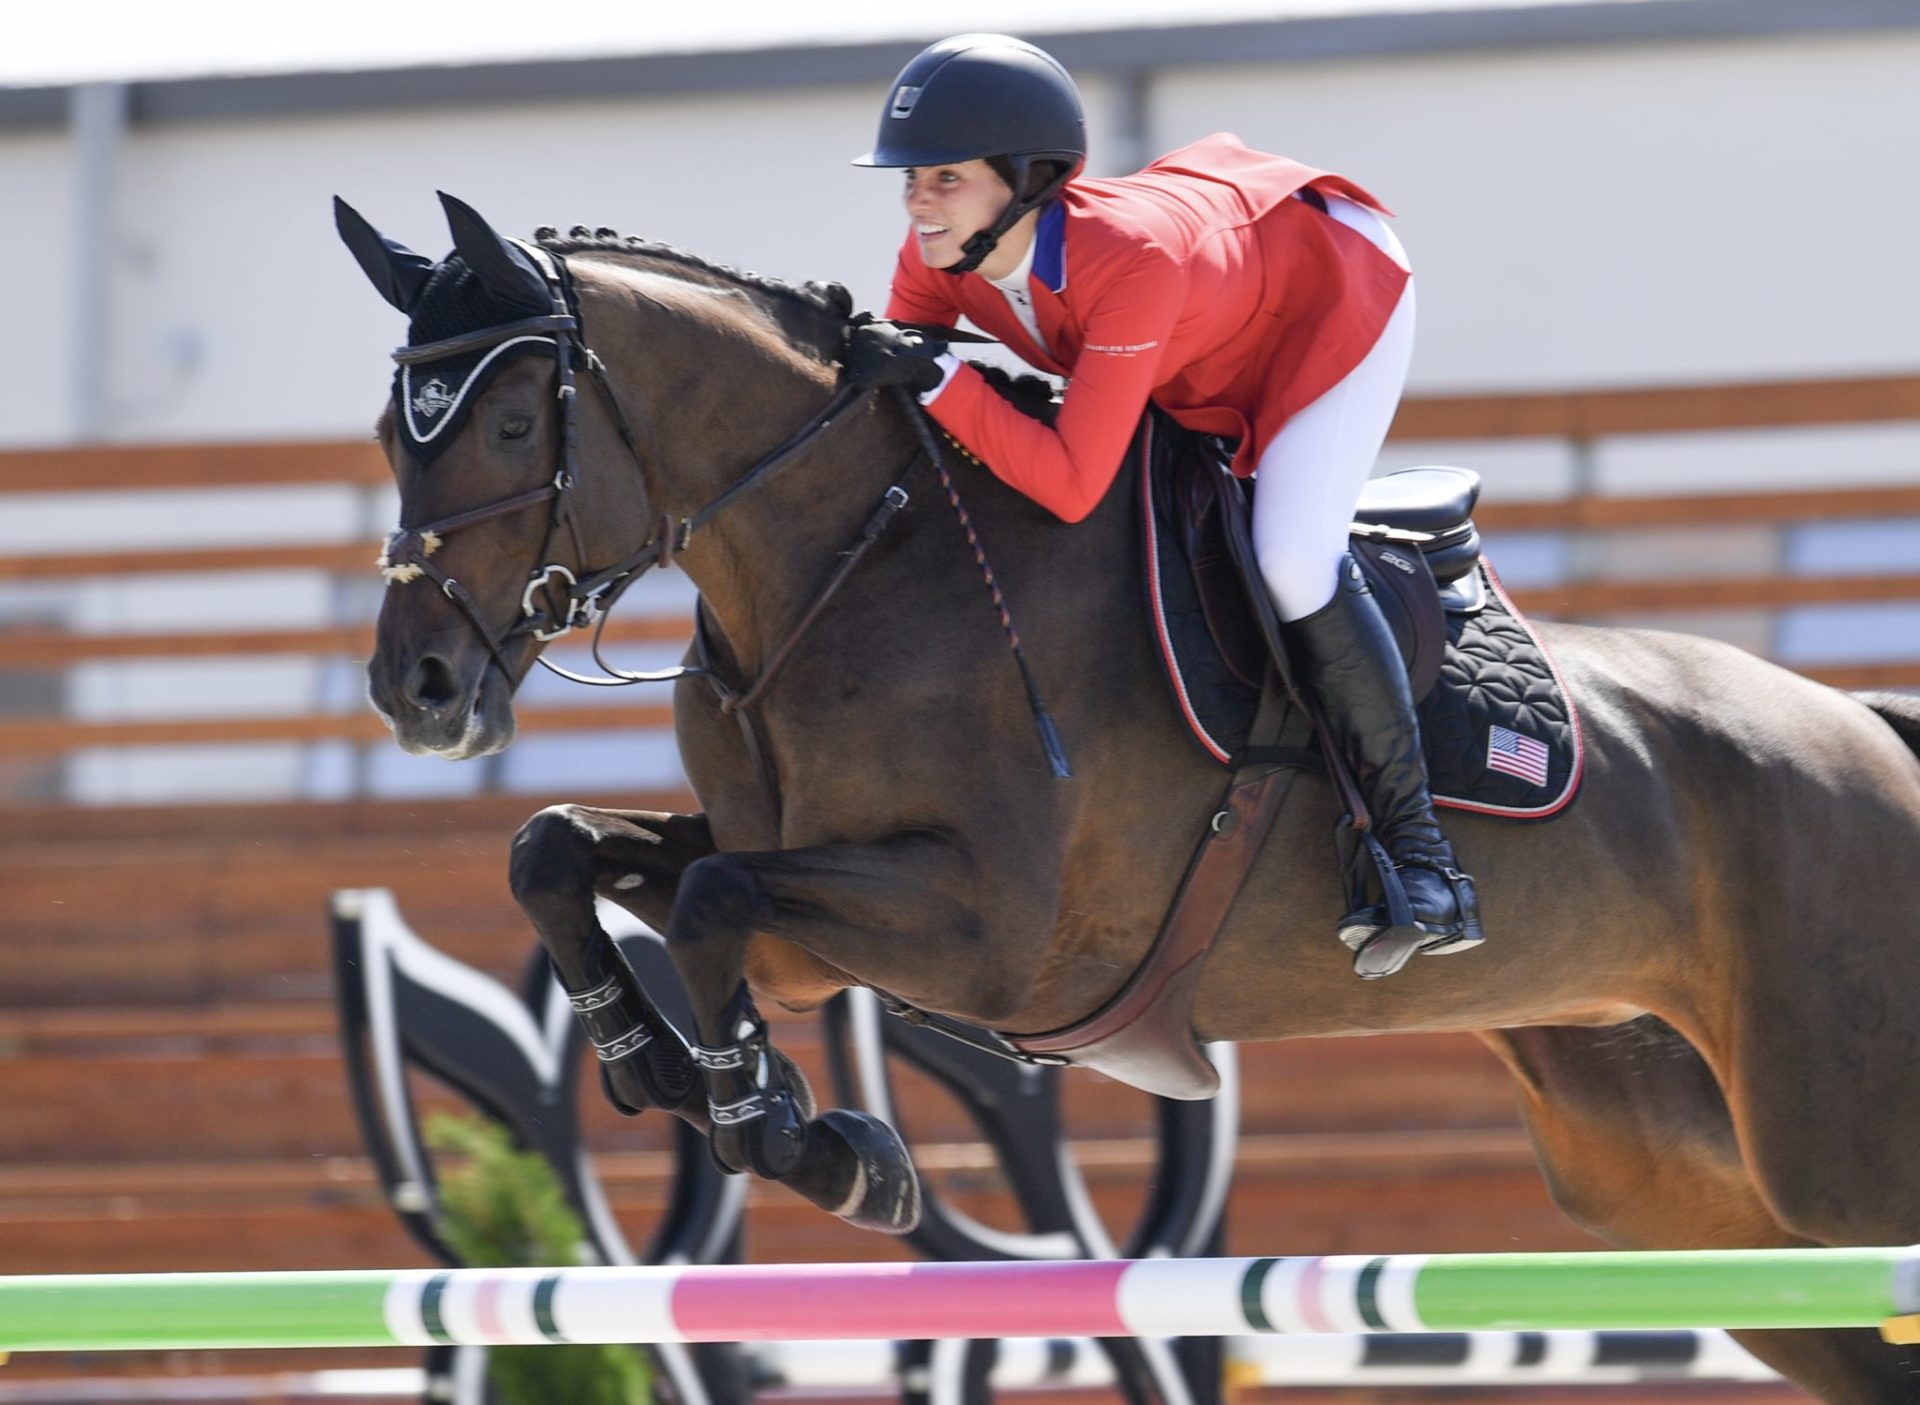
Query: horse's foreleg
(899, 914)
(563, 858)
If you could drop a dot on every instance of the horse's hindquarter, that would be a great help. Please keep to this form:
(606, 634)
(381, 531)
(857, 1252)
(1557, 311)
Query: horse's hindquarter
(1798, 821)
(1794, 816)
(1713, 782)
(1804, 1002)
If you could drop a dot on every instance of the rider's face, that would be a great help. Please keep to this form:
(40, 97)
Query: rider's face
(950, 204)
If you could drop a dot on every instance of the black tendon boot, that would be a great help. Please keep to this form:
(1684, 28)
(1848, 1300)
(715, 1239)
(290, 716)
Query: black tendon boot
(1357, 674)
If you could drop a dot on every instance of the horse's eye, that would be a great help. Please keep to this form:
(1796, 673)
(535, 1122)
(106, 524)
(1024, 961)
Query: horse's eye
(515, 427)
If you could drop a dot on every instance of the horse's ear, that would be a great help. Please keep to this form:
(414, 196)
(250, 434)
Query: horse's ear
(397, 272)
(504, 271)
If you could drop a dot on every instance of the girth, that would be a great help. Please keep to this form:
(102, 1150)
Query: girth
(1143, 1036)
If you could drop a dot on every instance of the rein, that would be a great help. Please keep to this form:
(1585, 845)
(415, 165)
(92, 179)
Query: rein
(587, 601)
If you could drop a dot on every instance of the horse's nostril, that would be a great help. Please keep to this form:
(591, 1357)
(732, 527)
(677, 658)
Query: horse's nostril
(431, 686)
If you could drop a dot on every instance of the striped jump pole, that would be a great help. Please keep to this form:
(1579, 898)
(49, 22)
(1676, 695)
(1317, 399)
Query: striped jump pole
(1754, 1288)
(1321, 1359)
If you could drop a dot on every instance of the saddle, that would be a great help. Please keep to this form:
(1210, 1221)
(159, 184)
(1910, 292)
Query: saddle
(1413, 538)
(1470, 657)
(1501, 729)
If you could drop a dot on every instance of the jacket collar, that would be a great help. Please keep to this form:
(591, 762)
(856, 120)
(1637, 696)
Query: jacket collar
(1050, 247)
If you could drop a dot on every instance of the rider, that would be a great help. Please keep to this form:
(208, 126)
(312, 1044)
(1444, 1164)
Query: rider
(1245, 294)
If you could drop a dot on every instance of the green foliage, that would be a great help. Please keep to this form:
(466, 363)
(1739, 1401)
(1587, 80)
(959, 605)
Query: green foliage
(504, 1208)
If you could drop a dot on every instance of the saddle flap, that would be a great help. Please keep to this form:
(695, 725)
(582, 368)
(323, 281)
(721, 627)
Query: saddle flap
(1397, 572)
(1219, 545)
(1214, 620)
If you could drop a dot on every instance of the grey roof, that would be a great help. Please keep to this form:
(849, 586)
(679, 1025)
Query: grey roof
(1286, 40)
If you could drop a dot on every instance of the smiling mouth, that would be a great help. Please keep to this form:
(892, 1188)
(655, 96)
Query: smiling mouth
(931, 231)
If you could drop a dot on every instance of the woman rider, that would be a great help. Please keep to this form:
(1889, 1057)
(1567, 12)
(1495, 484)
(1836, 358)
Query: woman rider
(1246, 295)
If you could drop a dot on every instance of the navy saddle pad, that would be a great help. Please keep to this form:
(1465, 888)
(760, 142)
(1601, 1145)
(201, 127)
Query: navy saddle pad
(1502, 732)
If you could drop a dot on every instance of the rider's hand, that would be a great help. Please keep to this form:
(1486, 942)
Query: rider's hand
(878, 353)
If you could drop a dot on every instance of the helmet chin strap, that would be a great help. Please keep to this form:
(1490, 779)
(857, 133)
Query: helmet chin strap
(974, 252)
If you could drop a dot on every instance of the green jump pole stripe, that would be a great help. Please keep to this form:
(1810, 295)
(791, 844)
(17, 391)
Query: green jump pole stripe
(1251, 1286)
(126, 1312)
(1367, 1291)
(430, 1317)
(543, 1308)
(1735, 1288)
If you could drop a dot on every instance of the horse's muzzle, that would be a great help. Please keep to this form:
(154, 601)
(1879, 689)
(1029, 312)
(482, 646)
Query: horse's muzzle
(436, 707)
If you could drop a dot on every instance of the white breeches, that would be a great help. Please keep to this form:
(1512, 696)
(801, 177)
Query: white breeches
(1309, 477)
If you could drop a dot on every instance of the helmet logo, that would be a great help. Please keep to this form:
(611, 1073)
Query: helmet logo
(904, 97)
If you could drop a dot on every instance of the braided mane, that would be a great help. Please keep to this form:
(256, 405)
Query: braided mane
(1030, 394)
(828, 298)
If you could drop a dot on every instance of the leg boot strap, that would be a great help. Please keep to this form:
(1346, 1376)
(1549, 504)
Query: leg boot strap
(641, 1057)
(757, 1125)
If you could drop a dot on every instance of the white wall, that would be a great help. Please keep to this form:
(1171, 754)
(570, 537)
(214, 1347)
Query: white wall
(241, 315)
(1622, 216)
(1691, 212)
(244, 208)
(35, 229)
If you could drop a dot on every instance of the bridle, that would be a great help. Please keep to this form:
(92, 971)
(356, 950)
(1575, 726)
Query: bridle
(584, 601)
(557, 598)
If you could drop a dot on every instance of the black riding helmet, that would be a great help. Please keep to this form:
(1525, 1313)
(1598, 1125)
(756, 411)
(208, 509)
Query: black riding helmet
(978, 96)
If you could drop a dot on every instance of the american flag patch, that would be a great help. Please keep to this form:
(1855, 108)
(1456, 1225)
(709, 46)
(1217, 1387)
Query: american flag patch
(1516, 755)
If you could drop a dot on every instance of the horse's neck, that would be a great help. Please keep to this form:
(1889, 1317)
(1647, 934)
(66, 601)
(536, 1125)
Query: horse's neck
(765, 556)
(721, 391)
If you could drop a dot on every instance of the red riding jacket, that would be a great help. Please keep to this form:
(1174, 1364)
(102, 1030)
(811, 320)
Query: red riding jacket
(1197, 284)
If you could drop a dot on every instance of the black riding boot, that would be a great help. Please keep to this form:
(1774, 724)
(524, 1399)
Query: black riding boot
(1356, 672)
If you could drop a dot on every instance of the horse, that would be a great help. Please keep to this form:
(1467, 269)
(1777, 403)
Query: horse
(1696, 973)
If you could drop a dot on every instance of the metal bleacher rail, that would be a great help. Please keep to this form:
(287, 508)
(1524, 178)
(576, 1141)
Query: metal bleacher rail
(1577, 420)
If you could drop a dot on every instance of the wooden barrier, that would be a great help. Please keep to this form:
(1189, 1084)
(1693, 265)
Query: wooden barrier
(39, 737)
(1576, 417)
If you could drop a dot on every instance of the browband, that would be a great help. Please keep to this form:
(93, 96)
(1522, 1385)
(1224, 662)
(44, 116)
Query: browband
(485, 337)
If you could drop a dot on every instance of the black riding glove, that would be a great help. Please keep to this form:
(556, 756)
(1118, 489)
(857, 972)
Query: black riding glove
(879, 353)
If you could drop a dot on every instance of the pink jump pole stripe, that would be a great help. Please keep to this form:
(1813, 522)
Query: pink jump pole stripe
(901, 1301)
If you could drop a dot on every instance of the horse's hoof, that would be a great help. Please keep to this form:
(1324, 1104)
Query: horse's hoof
(860, 1171)
(1388, 952)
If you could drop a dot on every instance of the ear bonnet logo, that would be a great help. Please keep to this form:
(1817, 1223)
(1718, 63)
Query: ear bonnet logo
(433, 398)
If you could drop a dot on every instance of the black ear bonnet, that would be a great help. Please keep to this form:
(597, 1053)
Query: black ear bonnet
(436, 398)
(486, 282)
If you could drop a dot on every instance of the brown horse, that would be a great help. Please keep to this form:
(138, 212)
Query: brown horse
(1696, 973)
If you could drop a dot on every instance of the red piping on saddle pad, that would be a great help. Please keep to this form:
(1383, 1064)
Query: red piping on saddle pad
(1160, 634)
(1572, 787)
